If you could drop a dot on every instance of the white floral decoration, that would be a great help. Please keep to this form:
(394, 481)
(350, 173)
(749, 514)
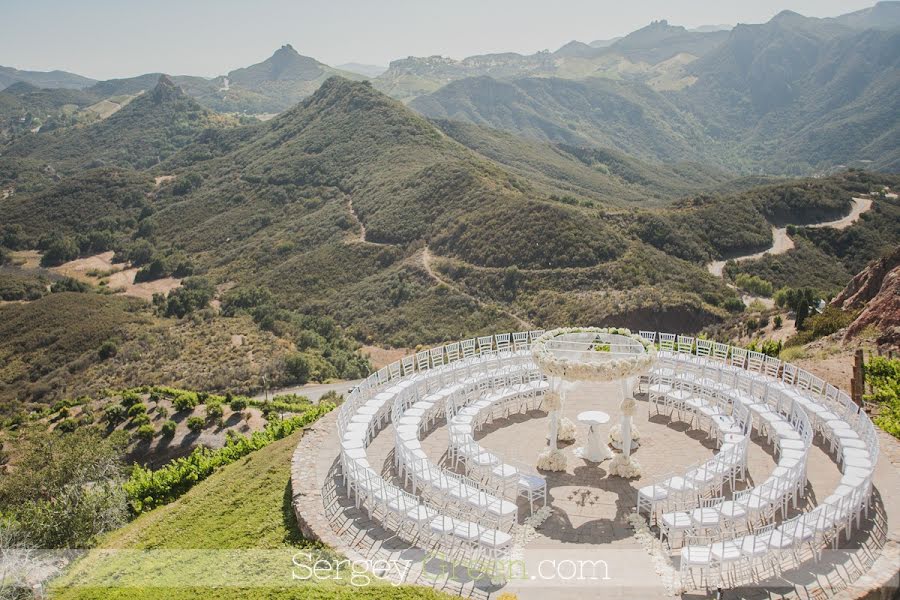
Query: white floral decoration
(566, 430)
(552, 460)
(662, 560)
(626, 467)
(628, 406)
(611, 370)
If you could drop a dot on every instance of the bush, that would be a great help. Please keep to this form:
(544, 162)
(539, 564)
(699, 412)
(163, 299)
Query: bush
(130, 398)
(60, 250)
(754, 284)
(830, 320)
(777, 321)
(107, 349)
(185, 401)
(733, 305)
(66, 488)
(145, 432)
(68, 284)
(114, 414)
(298, 366)
(140, 420)
(168, 428)
(137, 409)
(195, 424)
(67, 425)
(238, 404)
(767, 347)
(883, 376)
(194, 294)
(214, 412)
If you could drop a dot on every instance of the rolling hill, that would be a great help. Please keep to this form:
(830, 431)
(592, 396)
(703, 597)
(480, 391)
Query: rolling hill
(336, 198)
(586, 173)
(146, 131)
(44, 79)
(631, 118)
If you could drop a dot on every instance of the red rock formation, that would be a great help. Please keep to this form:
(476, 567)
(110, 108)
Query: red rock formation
(876, 289)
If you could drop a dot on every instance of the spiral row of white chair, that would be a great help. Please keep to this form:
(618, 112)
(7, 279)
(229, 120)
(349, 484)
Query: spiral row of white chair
(790, 405)
(463, 418)
(466, 518)
(457, 381)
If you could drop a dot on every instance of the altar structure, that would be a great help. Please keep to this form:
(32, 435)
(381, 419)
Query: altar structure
(570, 355)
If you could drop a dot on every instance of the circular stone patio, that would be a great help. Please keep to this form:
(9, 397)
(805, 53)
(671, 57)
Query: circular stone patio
(589, 520)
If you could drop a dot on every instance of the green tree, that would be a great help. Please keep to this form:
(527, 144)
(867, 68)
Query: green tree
(298, 367)
(66, 489)
(60, 250)
(799, 300)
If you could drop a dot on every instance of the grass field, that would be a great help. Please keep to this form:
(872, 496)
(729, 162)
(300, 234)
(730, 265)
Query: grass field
(237, 528)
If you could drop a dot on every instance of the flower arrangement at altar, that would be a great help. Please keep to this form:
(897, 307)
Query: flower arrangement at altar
(552, 459)
(617, 367)
(625, 467)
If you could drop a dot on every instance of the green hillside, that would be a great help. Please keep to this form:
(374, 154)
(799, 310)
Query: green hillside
(628, 117)
(585, 173)
(350, 219)
(146, 131)
(287, 222)
(244, 507)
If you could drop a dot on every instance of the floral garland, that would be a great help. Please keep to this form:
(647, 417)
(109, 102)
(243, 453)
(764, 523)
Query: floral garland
(611, 370)
(662, 561)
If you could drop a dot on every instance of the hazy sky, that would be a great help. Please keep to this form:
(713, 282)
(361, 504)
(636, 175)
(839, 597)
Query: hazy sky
(120, 38)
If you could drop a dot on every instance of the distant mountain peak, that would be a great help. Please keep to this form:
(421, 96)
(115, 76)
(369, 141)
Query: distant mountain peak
(786, 16)
(576, 49)
(166, 90)
(287, 49)
(286, 64)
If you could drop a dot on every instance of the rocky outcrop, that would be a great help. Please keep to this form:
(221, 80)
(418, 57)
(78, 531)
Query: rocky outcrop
(875, 290)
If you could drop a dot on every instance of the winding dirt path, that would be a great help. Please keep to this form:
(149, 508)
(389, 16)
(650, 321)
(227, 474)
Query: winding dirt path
(782, 242)
(361, 238)
(426, 263)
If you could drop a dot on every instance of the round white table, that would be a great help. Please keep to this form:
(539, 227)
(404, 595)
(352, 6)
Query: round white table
(594, 449)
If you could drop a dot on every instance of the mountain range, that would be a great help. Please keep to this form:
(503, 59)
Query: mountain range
(778, 97)
(506, 199)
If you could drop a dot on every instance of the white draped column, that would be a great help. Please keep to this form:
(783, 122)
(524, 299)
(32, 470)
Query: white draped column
(553, 459)
(626, 423)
